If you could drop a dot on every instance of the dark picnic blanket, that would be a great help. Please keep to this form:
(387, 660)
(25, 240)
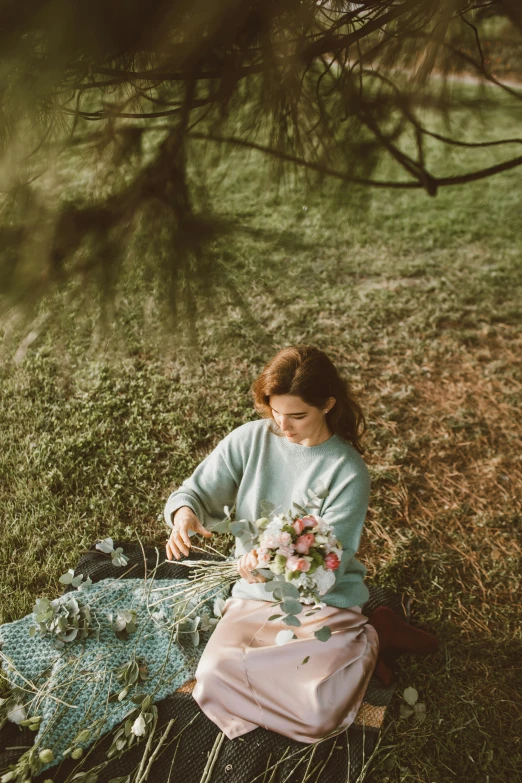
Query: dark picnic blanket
(201, 751)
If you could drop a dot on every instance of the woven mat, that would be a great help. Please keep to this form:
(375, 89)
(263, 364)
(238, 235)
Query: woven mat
(243, 760)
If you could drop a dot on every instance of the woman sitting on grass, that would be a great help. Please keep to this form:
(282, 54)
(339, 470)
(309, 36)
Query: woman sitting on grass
(309, 435)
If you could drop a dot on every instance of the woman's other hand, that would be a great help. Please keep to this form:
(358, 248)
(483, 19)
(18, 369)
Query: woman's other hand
(179, 542)
(248, 563)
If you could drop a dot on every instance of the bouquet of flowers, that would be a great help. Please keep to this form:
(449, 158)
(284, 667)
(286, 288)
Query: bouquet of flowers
(298, 554)
(302, 549)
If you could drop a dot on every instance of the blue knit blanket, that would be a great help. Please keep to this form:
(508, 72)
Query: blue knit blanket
(70, 687)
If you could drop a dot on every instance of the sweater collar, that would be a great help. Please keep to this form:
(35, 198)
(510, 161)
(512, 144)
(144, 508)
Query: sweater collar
(307, 453)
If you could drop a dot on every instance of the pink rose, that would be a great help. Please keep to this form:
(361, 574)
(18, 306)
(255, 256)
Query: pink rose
(309, 521)
(303, 543)
(298, 526)
(331, 561)
(295, 563)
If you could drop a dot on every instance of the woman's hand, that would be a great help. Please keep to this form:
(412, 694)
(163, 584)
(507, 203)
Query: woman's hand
(179, 542)
(248, 563)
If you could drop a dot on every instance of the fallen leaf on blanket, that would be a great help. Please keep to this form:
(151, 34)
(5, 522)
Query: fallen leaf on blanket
(305, 660)
(411, 696)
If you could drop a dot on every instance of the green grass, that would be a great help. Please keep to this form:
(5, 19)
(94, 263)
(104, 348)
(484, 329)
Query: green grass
(418, 301)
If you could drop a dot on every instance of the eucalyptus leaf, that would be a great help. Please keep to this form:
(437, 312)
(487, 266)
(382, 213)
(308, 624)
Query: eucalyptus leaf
(267, 507)
(133, 674)
(270, 586)
(305, 660)
(138, 698)
(405, 711)
(300, 509)
(118, 558)
(274, 617)
(411, 696)
(291, 606)
(70, 637)
(290, 590)
(323, 634)
(67, 578)
(222, 527)
(292, 620)
(106, 546)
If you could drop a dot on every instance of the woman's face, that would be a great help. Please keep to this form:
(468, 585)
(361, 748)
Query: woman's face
(296, 419)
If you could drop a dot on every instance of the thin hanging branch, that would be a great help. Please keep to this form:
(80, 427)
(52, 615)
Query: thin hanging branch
(328, 87)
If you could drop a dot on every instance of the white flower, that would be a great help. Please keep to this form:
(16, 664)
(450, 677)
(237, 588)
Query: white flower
(324, 579)
(303, 580)
(269, 541)
(285, 539)
(139, 727)
(336, 551)
(286, 551)
(275, 524)
(17, 713)
(283, 637)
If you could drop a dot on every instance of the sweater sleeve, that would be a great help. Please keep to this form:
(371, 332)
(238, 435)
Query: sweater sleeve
(212, 485)
(345, 509)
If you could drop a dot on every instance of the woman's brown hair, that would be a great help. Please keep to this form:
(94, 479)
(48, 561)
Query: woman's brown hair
(308, 373)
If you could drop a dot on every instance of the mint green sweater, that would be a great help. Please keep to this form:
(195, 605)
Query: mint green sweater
(253, 463)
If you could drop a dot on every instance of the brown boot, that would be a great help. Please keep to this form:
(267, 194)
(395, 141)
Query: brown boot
(397, 636)
(383, 672)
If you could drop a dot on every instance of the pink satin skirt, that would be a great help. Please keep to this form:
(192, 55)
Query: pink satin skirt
(305, 689)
